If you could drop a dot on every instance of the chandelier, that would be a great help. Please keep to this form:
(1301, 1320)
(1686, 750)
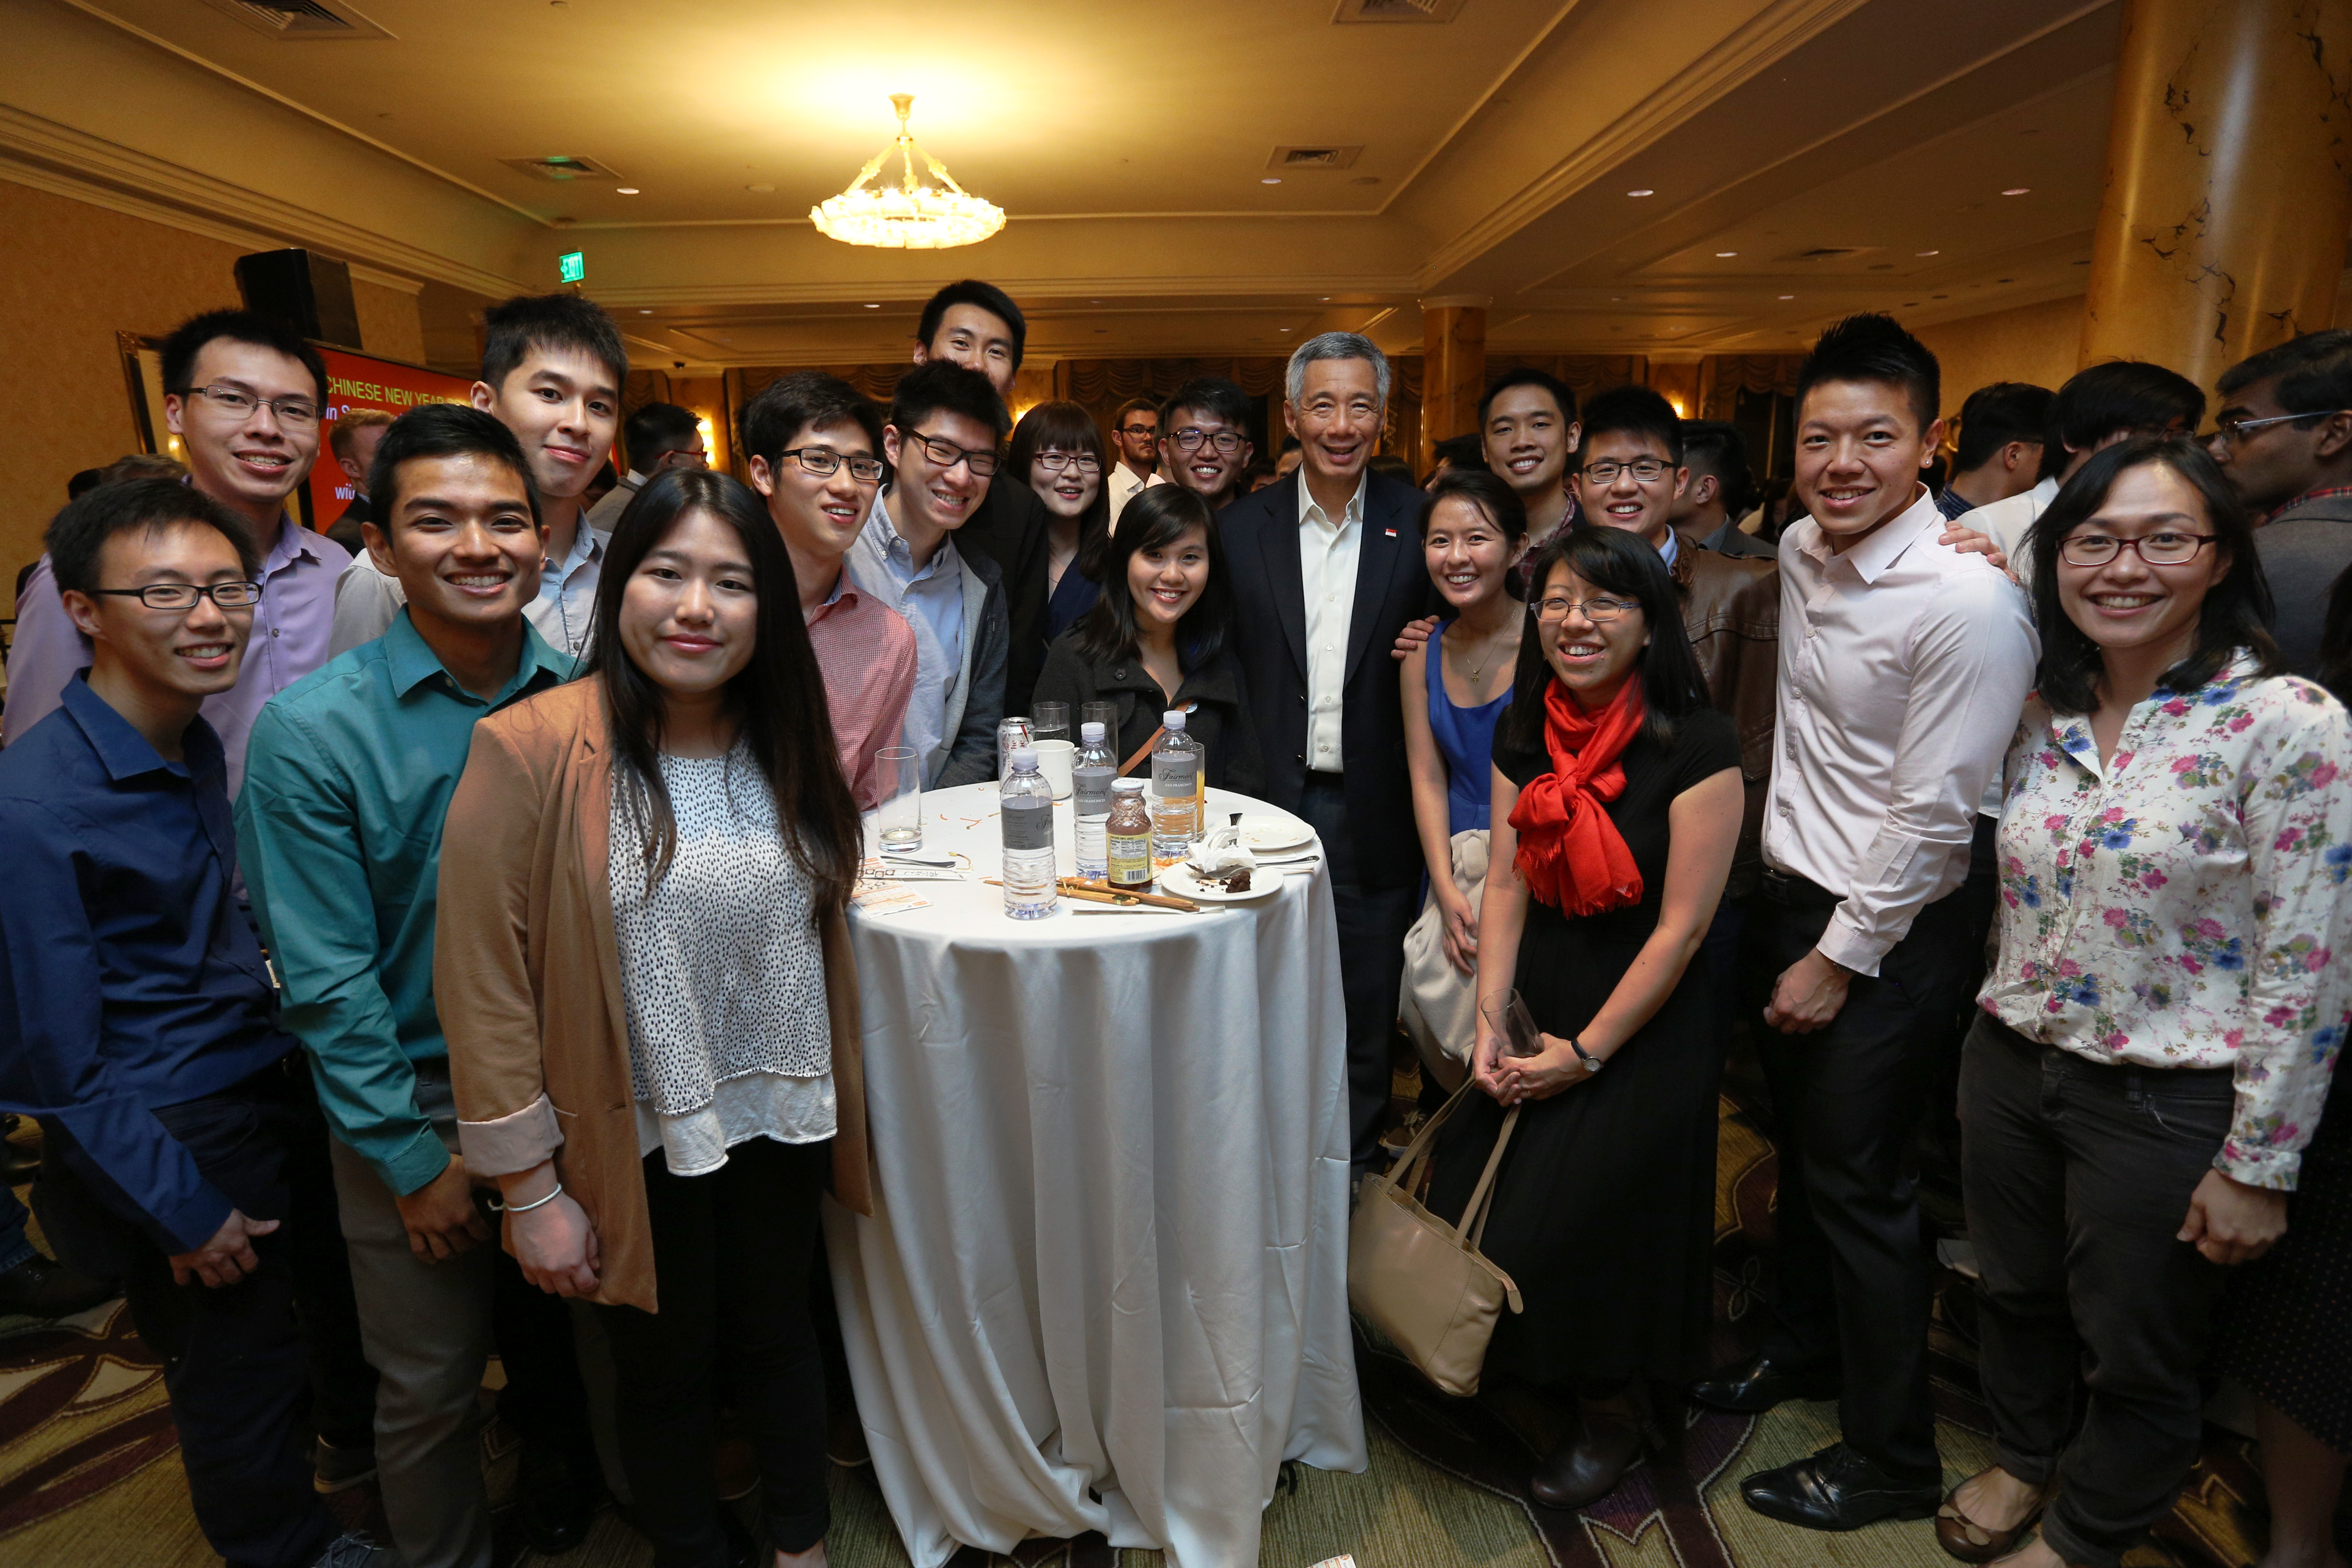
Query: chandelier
(907, 217)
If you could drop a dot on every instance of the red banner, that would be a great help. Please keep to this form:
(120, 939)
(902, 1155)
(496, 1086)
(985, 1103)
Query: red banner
(356, 381)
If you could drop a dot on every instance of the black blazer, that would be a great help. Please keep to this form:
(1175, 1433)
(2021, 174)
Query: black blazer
(1260, 534)
(1009, 527)
(1219, 719)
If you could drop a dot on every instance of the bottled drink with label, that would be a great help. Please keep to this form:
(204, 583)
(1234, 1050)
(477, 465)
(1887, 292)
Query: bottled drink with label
(1091, 773)
(1026, 806)
(1127, 836)
(1175, 791)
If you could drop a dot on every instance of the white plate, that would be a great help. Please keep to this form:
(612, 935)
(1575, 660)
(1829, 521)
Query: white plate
(1178, 881)
(1265, 835)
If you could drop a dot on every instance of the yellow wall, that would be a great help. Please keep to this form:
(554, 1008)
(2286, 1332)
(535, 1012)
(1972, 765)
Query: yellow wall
(2036, 344)
(77, 274)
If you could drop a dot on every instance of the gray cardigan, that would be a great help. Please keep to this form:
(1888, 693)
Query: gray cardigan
(976, 704)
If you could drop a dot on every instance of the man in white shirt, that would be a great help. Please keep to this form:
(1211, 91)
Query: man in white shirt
(1135, 437)
(2096, 408)
(657, 437)
(1904, 665)
(2003, 427)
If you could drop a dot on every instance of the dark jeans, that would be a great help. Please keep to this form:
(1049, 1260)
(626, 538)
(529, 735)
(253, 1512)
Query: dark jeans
(1853, 1287)
(238, 1360)
(731, 1256)
(2078, 1177)
(1372, 923)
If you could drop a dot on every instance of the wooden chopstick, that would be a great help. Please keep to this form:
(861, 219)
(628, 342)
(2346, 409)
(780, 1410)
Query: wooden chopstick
(1078, 886)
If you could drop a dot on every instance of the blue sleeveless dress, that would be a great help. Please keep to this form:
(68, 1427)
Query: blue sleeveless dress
(1466, 738)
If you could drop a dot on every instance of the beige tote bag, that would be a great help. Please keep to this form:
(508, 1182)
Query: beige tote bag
(1438, 1003)
(1421, 1281)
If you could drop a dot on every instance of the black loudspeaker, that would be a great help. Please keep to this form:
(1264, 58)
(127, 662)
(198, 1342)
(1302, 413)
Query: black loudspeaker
(307, 292)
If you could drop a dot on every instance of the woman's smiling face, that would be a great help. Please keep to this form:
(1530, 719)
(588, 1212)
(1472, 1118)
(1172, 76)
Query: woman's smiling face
(1166, 580)
(1593, 639)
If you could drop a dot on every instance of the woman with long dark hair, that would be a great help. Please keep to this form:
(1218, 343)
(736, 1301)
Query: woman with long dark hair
(1157, 638)
(644, 967)
(2168, 999)
(1616, 808)
(1058, 453)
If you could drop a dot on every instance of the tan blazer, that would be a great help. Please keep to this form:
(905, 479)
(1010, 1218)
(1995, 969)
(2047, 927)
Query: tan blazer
(526, 978)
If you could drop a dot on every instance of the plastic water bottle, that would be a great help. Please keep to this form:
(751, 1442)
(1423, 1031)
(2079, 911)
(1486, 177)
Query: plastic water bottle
(1091, 772)
(1026, 803)
(1128, 835)
(1175, 791)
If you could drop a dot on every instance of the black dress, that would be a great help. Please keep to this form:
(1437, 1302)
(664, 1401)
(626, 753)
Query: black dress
(1604, 1208)
(2285, 1326)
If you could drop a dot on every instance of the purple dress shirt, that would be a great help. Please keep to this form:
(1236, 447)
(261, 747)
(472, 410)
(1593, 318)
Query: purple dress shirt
(290, 641)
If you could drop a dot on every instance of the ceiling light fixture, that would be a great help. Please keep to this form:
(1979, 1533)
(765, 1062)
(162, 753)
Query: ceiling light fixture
(1269, 180)
(644, 312)
(1643, 193)
(1788, 296)
(873, 307)
(1724, 252)
(907, 217)
(1927, 253)
(626, 190)
(2019, 191)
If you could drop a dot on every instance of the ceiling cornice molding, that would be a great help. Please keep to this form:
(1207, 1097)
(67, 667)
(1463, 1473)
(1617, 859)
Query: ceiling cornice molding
(72, 163)
(1781, 28)
(297, 106)
(1027, 290)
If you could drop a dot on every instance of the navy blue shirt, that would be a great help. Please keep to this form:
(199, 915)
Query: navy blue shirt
(129, 977)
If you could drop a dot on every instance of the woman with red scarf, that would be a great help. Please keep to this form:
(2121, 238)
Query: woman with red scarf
(1616, 809)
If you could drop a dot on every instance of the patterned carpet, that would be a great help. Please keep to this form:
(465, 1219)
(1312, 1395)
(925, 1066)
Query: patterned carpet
(89, 1470)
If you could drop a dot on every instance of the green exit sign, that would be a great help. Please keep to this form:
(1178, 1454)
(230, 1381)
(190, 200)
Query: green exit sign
(574, 266)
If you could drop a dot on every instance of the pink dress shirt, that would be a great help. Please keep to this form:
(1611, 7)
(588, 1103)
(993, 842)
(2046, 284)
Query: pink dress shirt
(290, 641)
(867, 654)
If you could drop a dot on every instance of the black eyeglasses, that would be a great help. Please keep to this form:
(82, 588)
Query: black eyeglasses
(1226, 442)
(183, 595)
(2164, 549)
(240, 405)
(1055, 462)
(946, 455)
(824, 461)
(1648, 470)
(1139, 430)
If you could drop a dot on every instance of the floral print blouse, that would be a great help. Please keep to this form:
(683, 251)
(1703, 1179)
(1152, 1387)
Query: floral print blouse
(2180, 906)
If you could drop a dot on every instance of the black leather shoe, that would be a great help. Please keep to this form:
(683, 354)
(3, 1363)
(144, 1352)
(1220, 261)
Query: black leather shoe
(556, 1503)
(1837, 1489)
(1754, 1387)
(41, 1288)
(1578, 1474)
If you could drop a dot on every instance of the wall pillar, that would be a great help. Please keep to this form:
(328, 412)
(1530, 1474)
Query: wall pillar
(2228, 182)
(1453, 370)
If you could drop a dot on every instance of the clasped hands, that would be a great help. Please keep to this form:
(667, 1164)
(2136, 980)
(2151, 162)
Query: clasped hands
(1515, 1081)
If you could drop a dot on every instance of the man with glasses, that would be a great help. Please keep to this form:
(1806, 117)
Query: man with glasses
(946, 425)
(2285, 437)
(1135, 437)
(243, 393)
(814, 449)
(183, 1147)
(2096, 408)
(1204, 441)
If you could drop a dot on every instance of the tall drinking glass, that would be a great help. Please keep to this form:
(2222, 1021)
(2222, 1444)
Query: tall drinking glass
(1052, 721)
(1107, 715)
(1508, 1016)
(899, 819)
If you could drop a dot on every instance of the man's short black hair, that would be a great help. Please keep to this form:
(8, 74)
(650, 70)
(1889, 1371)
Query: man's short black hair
(805, 400)
(1563, 394)
(2314, 372)
(1713, 447)
(441, 430)
(1632, 411)
(190, 337)
(1872, 347)
(655, 431)
(1997, 414)
(1461, 453)
(79, 532)
(937, 384)
(2119, 397)
(1208, 394)
(513, 328)
(987, 297)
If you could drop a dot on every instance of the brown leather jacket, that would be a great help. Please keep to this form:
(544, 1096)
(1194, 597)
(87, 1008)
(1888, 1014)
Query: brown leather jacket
(1731, 611)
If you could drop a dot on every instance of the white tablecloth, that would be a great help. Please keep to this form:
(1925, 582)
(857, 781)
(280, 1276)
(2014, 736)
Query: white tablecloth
(1105, 1285)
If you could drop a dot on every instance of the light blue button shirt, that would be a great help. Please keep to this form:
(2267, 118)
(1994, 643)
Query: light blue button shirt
(565, 610)
(1671, 548)
(929, 599)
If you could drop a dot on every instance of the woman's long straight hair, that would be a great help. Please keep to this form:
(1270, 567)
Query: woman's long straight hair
(1155, 519)
(778, 696)
(1629, 567)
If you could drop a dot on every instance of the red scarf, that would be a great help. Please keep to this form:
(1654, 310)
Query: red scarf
(1571, 856)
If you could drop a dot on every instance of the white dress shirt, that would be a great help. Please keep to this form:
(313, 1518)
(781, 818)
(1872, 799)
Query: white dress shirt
(1124, 487)
(2007, 520)
(1326, 570)
(1904, 666)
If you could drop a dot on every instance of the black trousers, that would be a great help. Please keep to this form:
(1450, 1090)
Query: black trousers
(2078, 1176)
(1853, 1288)
(732, 1251)
(1372, 923)
(239, 1361)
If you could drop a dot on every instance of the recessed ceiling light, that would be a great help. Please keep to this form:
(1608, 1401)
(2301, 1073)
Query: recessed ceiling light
(1282, 329)
(1927, 253)
(873, 307)
(1721, 253)
(644, 312)
(626, 190)
(1270, 180)
(1642, 192)
(2019, 191)
(1788, 296)
(763, 189)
